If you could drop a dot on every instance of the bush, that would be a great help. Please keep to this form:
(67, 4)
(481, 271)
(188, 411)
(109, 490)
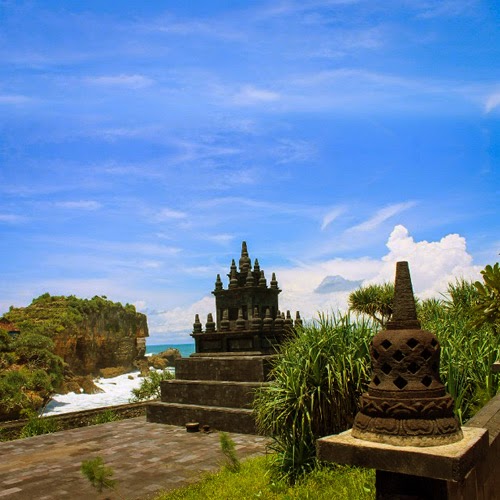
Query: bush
(150, 386)
(317, 380)
(467, 351)
(105, 416)
(37, 426)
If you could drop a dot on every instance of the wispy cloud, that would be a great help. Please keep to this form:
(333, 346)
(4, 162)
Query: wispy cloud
(79, 205)
(12, 218)
(381, 216)
(222, 238)
(14, 99)
(445, 8)
(292, 151)
(331, 216)
(122, 80)
(249, 94)
(168, 214)
(492, 102)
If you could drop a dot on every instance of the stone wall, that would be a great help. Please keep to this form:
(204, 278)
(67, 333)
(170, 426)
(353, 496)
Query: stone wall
(483, 481)
(11, 430)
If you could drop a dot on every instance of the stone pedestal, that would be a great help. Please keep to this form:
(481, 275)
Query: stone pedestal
(450, 462)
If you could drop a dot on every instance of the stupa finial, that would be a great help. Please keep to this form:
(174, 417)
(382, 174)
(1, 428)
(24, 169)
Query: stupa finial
(404, 312)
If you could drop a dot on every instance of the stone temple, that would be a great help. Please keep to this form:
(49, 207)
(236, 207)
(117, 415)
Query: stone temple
(248, 317)
(216, 384)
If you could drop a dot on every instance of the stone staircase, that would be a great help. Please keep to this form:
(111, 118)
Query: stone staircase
(213, 389)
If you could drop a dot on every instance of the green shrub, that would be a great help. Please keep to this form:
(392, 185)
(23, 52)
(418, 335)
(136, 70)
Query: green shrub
(317, 380)
(36, 425)
(100, 476)
(105, 416)
(150, 386)
(467, 350)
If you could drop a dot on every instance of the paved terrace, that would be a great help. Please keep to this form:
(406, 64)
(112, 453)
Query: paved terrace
(146, 458)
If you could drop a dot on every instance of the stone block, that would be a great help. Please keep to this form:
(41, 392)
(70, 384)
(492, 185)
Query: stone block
(449, 462)
(238, 420)
(209, 392)
(236, 368)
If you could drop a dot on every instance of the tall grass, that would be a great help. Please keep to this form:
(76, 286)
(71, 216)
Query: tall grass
(467, 351)
(321, 372)
(317, 380)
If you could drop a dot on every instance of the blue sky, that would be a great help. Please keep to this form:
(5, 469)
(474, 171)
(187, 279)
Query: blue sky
(141, 142)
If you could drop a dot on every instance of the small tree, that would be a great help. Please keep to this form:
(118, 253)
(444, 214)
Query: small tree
(375, 301)
(100, 476)
(487, 308)
(150, 387)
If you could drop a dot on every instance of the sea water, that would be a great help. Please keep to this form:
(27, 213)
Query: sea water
(185, 349)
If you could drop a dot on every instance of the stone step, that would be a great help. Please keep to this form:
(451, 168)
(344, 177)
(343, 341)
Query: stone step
(228, 368)
(218, 418)
(210, 392)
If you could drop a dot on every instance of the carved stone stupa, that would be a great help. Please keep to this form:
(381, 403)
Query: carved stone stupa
(406, 403)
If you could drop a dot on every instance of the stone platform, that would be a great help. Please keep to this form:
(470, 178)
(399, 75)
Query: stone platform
(146, 458)
(215, 390)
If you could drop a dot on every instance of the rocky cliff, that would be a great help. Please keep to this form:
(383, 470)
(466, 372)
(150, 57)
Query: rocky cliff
(89, 334)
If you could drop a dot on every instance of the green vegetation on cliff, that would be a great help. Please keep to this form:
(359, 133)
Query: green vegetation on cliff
(56, 337)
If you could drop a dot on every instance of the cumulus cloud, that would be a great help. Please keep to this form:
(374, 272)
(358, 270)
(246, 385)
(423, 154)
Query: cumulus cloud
(433, 265)
(175, 325)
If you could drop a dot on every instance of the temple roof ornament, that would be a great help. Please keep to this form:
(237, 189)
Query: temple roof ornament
(406, 403)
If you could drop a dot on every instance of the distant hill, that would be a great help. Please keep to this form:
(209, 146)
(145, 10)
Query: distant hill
(337, 284)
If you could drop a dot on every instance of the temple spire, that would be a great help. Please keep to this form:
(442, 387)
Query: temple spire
(404, 312)
(245, 262)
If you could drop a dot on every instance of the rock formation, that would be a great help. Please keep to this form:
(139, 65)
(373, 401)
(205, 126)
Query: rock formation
(88, 334)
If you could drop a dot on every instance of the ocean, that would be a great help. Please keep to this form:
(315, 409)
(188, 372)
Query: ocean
(184, 349)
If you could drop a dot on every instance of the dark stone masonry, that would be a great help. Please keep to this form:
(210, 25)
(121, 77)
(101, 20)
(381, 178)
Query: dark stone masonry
(215, 386)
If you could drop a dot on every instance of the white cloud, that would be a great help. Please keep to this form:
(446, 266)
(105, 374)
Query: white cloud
(222, 238)
(79, 205)
(382, 215)
(331, 216)
(432, 264)
(249, 94)
(168, 214)
(122, 80)
(445, 8)
(492, 102)
(13, 99)
(12, 218)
